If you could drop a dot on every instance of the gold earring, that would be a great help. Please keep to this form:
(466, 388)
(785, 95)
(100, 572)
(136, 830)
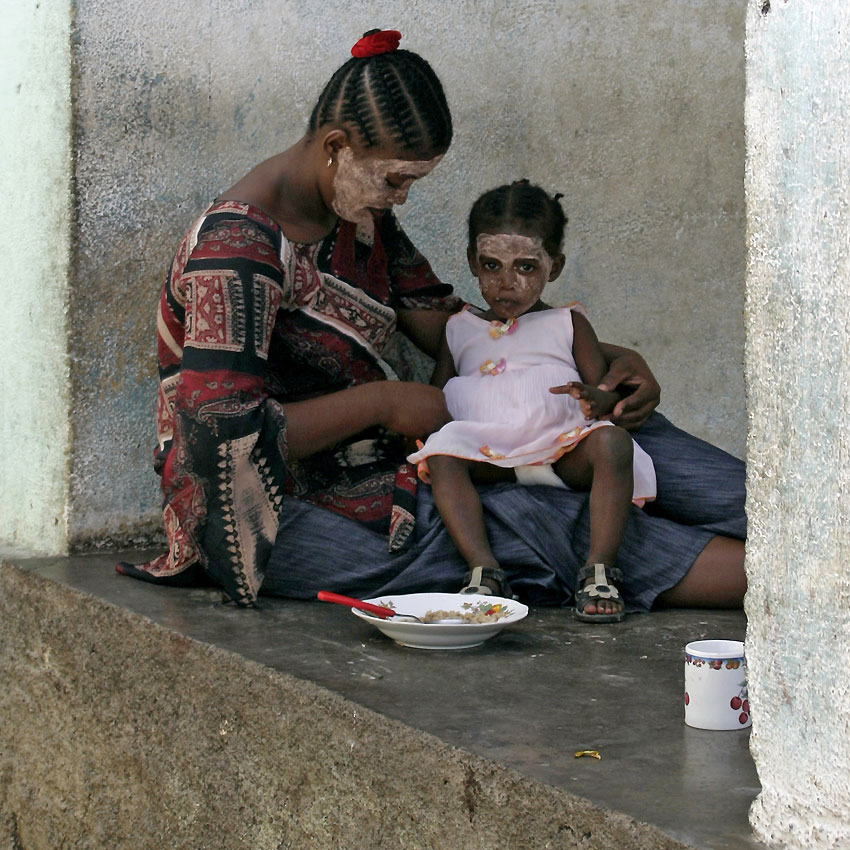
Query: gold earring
(330, 161)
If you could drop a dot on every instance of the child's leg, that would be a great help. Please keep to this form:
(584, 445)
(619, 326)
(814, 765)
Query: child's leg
(460, 507)
(602, 461)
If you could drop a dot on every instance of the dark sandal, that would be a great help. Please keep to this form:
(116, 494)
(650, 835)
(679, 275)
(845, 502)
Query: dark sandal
(603, 586)
(193, 576)
(473, 582)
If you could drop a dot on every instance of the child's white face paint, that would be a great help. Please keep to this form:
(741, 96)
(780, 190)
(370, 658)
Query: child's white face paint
(365, 183)
(512, 271)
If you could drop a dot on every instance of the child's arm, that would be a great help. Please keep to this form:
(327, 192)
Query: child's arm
(444, 369)
(592, 366)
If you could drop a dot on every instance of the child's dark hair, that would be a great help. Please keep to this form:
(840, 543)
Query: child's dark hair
(523, 203)
(394, 98)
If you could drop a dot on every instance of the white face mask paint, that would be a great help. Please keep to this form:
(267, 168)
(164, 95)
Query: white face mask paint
(512, 271)
(365, 183)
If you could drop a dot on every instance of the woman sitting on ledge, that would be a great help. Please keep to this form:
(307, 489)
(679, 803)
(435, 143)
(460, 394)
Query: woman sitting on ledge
(283, 432)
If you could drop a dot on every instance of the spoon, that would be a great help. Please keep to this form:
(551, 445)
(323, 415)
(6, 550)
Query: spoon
(376, 610)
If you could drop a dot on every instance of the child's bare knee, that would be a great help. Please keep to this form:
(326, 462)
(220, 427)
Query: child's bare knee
(614, 446)
(443, 464)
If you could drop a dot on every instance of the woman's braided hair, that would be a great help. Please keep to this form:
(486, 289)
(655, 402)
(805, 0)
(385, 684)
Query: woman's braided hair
(393, 98)
(523, 203)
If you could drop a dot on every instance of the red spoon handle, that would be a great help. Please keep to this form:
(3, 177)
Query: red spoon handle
(378, 610)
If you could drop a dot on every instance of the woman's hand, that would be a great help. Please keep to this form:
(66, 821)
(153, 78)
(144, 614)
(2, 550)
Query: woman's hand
(628, 371)
(412, 409)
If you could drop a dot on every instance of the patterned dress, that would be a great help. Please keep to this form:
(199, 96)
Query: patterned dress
(500, 402)
(248, 321)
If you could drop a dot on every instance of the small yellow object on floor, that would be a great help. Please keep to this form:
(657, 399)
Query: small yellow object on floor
(594, 754)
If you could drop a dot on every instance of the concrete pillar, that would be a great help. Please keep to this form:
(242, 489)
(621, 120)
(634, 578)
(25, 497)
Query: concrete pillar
(35, 195)
(798, 378)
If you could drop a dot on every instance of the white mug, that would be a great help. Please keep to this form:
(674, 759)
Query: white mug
(716, 685)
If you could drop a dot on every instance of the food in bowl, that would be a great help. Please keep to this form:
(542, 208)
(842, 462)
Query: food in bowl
(481, 612)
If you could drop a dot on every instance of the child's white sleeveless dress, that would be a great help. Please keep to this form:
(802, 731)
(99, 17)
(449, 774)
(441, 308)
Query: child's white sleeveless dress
(503, 412)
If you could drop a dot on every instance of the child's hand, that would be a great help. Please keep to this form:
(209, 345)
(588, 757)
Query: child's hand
(629, 372)
(594, 402)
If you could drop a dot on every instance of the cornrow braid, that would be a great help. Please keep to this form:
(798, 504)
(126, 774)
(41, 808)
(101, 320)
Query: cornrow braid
(524, 203)
(391, 91)
(393, 98)
(353, 107)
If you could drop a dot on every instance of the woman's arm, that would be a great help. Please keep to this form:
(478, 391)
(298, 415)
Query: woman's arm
(424, 328)
(411, 409)
(444, 369)
(423, 302)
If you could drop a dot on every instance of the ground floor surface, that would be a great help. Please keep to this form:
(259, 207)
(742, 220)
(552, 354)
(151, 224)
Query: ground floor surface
(528, 699)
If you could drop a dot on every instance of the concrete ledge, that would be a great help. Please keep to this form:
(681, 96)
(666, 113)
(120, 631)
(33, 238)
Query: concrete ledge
(117, 732)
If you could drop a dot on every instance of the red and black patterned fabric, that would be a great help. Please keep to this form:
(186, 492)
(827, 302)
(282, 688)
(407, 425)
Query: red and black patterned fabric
(247, 322)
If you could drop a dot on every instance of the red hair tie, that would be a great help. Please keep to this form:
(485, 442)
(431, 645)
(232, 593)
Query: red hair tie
(375, 43)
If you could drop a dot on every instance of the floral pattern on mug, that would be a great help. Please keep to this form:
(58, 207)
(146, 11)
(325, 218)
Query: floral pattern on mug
(714, 663)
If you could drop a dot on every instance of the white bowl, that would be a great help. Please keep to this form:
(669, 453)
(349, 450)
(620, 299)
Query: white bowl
(448, 634)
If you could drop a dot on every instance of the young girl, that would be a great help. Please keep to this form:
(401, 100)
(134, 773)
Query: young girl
(520, 382)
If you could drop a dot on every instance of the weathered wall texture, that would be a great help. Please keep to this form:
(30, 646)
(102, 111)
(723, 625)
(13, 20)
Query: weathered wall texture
(633, 110)
(35, 192)
(798, 374)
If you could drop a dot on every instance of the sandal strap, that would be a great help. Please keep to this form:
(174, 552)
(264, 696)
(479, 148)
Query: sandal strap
(605, 580)
(472, 581)
(474, 578)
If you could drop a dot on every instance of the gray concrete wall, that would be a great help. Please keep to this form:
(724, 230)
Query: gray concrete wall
(633, 110)
(798, 373)
(35, 193)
